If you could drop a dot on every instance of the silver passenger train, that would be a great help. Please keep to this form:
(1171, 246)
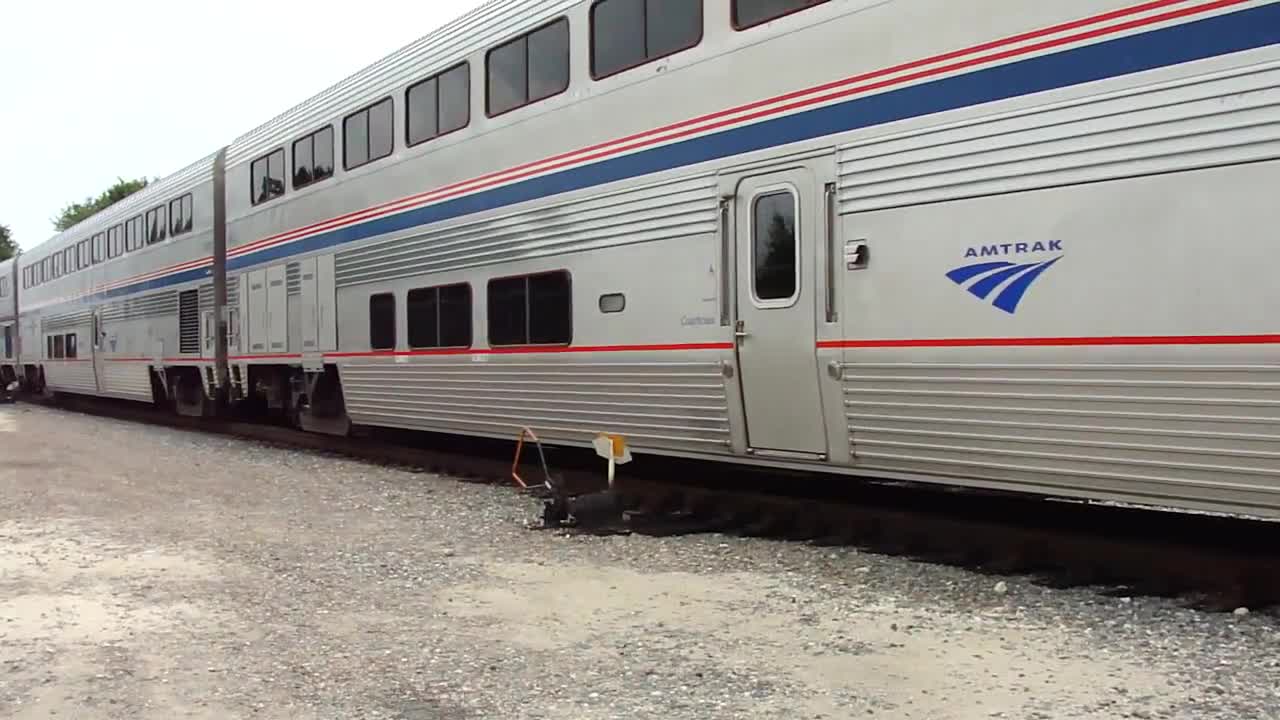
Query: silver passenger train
(1007, 245)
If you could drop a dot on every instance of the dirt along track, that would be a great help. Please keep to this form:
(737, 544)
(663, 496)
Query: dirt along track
(150, 573)
(1211, 562)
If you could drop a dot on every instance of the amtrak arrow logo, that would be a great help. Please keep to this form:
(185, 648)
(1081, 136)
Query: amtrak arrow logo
(1012, 280)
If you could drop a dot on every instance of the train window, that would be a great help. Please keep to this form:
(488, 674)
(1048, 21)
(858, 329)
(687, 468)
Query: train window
(180, 220)
(266, 177)
(8, 341)
(156, 227)
(86, 251)
(532, 67)
(133, 234)
(627, 33)
(749, 13)
(438, 105)
(368, 134)
(382, 322)
(613, 303)
(440, 316)
(100, 245)
(71, 346)
(114, 241)
(773, 255)
(313, 158)
(69, 260)
(59, 346)
(531, 310)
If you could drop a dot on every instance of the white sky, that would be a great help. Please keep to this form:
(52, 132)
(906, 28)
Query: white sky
(91, 91)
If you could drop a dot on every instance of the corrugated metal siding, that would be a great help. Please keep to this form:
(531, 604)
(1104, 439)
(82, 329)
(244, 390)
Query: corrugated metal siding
(477, 30)
(233, 294)
(153, 305)
(1227, 117)
(127, 380)
(66, 321)
(655, 404)
(656, 212)
(1170, 426)
(71, 376)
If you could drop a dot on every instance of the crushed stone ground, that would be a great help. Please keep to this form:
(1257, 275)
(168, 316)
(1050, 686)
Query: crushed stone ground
(153, 574)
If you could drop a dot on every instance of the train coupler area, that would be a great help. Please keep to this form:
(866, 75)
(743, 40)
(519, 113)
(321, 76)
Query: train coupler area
(9, 392)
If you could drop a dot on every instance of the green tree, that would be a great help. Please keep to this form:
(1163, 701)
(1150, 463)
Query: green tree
(75, 212)
(8, 248)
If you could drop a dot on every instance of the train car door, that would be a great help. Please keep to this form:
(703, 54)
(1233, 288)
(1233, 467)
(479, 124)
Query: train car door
(98, 350)
(256, 312)
(776, 228)
(277, 310)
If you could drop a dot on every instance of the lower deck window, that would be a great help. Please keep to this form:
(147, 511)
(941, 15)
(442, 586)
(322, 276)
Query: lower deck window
(440, 317)
(382, 322)
(71, 346)
(531, 310)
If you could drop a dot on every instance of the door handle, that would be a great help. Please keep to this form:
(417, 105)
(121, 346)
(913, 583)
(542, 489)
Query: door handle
(740, 332)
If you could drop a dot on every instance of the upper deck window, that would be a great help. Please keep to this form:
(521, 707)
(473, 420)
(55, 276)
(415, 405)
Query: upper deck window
(438, 105)
(313, 157)
(115, 241)
(532, 67)
(627, 33)
(155, 225)
(368, 134)
(133, 234)
(266, 176)
(749, 13)
(180, 211)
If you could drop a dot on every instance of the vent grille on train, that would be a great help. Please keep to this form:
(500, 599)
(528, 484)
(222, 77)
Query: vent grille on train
(189, 321)
(293, 278)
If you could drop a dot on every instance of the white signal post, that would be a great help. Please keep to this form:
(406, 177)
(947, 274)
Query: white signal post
(614, 449)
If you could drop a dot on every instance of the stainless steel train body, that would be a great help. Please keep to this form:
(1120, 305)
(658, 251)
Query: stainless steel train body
(8, 322)
(1020, 248)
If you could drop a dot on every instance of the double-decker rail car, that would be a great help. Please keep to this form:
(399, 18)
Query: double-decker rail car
(1015, 248)
(8, 324)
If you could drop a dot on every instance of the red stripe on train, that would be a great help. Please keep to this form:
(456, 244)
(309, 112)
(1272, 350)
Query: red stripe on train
(732, 116)
(1131, 340)
(538, 350)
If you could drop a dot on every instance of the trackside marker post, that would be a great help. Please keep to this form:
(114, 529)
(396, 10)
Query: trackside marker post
(614, 449)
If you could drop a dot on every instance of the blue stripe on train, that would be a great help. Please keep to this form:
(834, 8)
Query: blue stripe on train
(1197, 40)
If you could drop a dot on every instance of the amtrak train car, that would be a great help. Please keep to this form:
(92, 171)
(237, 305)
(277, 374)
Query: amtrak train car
(8, 325)
(1012, 245)
(93, 321)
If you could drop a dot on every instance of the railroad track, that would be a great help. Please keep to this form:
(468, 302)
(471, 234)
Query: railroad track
(1210, 562)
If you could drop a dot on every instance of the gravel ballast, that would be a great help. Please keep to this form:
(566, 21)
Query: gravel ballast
(151, 573)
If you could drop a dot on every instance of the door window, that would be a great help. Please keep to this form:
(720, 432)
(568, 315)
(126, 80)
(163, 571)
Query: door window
(775, 279)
